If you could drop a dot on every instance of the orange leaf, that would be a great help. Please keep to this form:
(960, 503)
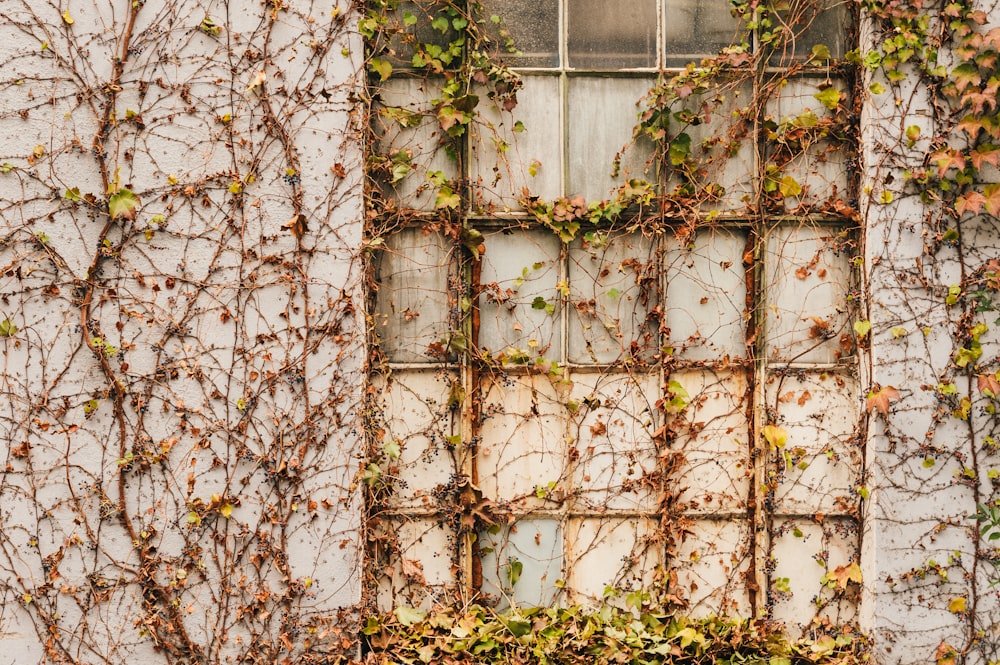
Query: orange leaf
(880, 399)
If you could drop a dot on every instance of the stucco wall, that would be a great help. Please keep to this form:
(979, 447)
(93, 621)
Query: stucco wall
(181, 377)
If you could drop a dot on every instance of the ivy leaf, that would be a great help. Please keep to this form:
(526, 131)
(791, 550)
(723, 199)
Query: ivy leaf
(7, 328)
(830, 97)
(446, 198)
(862, 328)
(969, 202)
(381, 67)
(72, 194)
(67, 19)
(123, 203)
(957, 605)
(846, 574)
(680, 147)
(992, 198)
(789, 187)
(945, 654)
(409, 615)
(226, 510)
(774, 435)
(881, 399)
(820, 52)
(297, 225)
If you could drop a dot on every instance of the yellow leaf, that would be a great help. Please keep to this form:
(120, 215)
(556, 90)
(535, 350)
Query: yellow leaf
(776, 436)
(957, 605)
(67, 18)
(226, 510)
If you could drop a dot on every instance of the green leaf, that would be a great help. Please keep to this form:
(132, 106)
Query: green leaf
(392, 449)
(409, 18)
(862, 328)
(409, 615)
(774, 435)
(446, 198)
(72, 194)
(440, 23)
(876, 88)
(789, 186)
(820, 52)
(381, 67)
(829, 97)
(680, 147)
(123, 203)
(7, 328)
(514, 569)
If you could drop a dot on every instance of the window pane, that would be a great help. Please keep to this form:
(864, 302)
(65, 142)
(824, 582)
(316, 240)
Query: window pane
(524, 563)
(417, 415)
(415, 561)
(804, 552)
(706, 295)
(602, 114)
(722, 145)
(412, 299)
(409, 39)
(603, 552)
(409, 134)
(612, 35)
(818, 469)
(808, 26)
(522, 441)
(804, 146)
(613, 287)
(504, 158)
(808, 276)
(534, 27)
(612, 441)
(716, 470)
(519, 301)
(695, 29)
(713, 564)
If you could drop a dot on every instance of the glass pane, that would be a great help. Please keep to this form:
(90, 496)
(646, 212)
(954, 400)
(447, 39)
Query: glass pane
(620, 553)
(613, 288)
(612, 35)
(803, 146)
(523, 562)
(411, 25)
(808, 26)
(706, 294)
(715, 471)
(520, 301)
(614, 418)
(808, 278)
(510, 158)
(818, 469)
(409, 134)
(533, 25)
(411, 311)
(415, 561)
(418, 417)
(602, 114)
(722, 145)
(712, 562)
(522, 444)
(695, 29)
(813, 561)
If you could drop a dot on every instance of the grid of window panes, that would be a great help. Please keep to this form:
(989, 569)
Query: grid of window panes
(607, 395)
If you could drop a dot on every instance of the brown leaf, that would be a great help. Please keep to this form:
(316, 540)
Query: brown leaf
(297, 225)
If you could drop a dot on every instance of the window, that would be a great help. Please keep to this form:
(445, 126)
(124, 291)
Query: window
(666, 396)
